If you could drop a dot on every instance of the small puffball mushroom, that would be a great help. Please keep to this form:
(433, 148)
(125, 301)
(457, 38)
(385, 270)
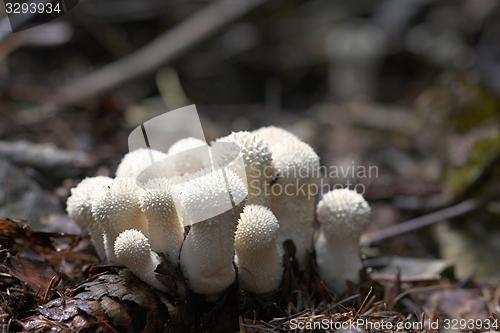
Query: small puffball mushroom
(293, 194)
(258, 254)
(117, 209)
(208, 250)
(258, 164)
(79, 208)
(342, 214)
(189, 155)
(185, 144)
(134, 162)
(166, 232)
(133, 251)
(274, 135)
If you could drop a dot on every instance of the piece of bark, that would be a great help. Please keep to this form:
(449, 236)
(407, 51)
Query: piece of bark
(108, 303)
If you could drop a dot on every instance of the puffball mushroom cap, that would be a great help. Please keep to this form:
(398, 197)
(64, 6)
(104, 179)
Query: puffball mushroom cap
(117, 209)
(185, 144)
(189, 155)
(207, 193)
(254, 150)
(257, 158)
(257, 228)
(79, 208)
(132, 250)
(343, 212)
(156, 198)
(274, 135)
(165, 230)
(79, 204)
(296, 160)
(293, 159)
(134, 162)
(118, 205)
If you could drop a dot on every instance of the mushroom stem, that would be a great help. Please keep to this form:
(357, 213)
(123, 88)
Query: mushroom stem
(97, 239)
(207, 255)
(296, 216)
(261, 272)
(337, 266)
(166, 233)
(258, 254)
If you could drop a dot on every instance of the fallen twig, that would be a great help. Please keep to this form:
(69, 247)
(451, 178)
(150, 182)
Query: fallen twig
(163, 49)
(43, 156)
(462, 208)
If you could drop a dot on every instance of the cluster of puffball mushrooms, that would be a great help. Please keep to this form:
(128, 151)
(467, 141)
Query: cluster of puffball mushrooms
(130, 225)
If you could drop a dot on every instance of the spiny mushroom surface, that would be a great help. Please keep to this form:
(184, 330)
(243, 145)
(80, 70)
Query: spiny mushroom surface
(293, 200)
(117, 209)
(190, 186)
(342, 214)
(132, 250)
(189, 155)
(208, 250)
(258, 254)
(79, 208)
(166, 232)
(274, 135)
(258, 164)
(185, 144)
(134, 162)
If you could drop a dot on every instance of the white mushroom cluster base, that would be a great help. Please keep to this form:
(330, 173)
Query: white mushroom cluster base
(139, 226)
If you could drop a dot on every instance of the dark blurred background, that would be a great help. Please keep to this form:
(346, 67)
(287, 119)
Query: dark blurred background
(411, 87)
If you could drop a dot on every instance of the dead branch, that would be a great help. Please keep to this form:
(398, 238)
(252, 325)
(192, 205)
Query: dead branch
(462, 208)
(163, 49)
(43, 156)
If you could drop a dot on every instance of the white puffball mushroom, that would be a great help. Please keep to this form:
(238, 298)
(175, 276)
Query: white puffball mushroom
(189, 155)
(134, 162)
(117, 209)
(258, 254)
(342, 214)
(132, 250)
(274, 135)
(294, 191)
(166, 232)
(79, 208)
(208, 250)
(258, 164)
(185, 144)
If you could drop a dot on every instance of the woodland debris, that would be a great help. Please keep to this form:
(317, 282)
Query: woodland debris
(21, 197)
(45, 157)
